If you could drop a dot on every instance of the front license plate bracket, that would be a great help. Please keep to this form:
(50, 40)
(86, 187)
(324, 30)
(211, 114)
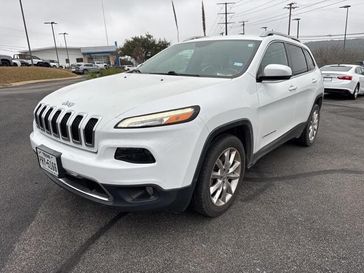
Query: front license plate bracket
(57, 170)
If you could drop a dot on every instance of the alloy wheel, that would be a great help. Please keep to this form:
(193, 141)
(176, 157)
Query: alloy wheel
(225, 176)
(314, 124)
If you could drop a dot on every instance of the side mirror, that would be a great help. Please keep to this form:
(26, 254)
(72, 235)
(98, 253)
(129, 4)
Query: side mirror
(275, 72)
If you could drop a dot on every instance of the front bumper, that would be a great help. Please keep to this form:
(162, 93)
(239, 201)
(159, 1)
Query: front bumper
(127, 198)
(103, 179)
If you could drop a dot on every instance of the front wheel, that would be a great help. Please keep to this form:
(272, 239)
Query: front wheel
(309, 134)
(221, 175)
(354, 96)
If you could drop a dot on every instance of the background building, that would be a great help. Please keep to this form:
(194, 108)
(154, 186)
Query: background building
(106, 54)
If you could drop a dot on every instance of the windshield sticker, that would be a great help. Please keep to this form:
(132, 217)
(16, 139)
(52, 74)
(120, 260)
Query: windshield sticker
(238, 64)
(250, 45)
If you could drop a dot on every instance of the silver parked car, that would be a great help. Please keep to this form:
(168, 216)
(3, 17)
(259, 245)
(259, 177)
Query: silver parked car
(82, 68)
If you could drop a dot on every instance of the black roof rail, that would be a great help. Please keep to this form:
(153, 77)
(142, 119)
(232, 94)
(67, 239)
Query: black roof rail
(271, 33)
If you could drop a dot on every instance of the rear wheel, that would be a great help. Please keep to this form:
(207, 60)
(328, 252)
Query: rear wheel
(221, 176)
(309, 134)
(354, 96)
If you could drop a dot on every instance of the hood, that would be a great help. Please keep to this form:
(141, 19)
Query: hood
(113, 95)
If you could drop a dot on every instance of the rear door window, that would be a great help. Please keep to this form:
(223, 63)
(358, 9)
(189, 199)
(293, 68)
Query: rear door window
(297, 59)
(310, 62)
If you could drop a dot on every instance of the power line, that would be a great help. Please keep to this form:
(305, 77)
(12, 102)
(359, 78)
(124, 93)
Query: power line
(332, 35)
(280, 17)
(260, 7)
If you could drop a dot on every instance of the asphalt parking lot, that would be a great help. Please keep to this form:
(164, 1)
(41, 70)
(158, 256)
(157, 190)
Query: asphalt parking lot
(300, 209)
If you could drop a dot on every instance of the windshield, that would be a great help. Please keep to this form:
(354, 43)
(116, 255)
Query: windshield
(225, 59)
(336, 68)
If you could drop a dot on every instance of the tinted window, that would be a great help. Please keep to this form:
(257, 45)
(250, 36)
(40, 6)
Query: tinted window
(219, 58)
(336, 68)
(297, 59)
(310, 62)
(275, 54)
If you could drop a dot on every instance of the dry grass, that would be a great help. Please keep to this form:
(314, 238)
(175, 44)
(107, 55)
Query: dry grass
(19, 74)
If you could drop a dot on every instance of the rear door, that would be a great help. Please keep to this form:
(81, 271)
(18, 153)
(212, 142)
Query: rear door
(306, 81)
(276, 101)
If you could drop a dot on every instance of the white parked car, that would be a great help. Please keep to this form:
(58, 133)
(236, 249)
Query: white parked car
(26, 60)
(343, 79)
(84, 68)
(184, 126)
(54, 63)
(128, 67)
(102, 65)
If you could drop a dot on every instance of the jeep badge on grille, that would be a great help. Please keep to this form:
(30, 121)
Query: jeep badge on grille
(68, 103)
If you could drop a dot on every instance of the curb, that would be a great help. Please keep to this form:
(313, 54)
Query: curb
(38, 81)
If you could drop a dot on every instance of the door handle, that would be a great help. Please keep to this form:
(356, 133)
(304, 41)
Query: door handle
(292, 88)
(314, 80)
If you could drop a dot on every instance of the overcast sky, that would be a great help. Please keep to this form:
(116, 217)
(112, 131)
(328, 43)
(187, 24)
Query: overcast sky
(83, 19)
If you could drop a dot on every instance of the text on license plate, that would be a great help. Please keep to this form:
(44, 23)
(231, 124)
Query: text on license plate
(48, 162)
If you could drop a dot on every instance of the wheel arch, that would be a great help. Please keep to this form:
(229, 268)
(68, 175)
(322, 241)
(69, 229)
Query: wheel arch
(241, 128)
(319, 100)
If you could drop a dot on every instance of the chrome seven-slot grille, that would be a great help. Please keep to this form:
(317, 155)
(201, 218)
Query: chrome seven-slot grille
(67, 126)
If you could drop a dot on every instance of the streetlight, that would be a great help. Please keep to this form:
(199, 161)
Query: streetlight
(54, 38)
(298, 26)
(26, 31)
(346, 24)
(65, 42)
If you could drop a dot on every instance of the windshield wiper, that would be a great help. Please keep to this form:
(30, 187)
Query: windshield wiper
(174, 73)
(134, 71)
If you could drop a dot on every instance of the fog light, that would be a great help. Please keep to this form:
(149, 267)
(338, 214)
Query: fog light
(150, 190)
(134, 155)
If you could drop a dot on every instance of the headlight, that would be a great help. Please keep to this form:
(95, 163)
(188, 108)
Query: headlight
(159, 119)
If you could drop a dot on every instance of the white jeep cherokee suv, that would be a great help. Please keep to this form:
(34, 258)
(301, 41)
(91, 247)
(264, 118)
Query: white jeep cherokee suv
(184, 126)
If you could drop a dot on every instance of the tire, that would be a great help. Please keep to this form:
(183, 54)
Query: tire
(309, 134)
(85, 71)
(215, 204)
(5, 63)
(355, 94)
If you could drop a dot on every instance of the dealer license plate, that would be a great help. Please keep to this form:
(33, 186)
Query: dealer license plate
(48, 162)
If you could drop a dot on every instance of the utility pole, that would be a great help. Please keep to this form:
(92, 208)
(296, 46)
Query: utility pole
(103, 14)
(243, 25)
(346, 26)
(65, 43)
(226, 13)
(298, 26)
(26, 31)
(54, 37)
(291, 6)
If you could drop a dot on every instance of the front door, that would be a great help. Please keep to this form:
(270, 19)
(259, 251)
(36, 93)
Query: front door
(277, 102)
